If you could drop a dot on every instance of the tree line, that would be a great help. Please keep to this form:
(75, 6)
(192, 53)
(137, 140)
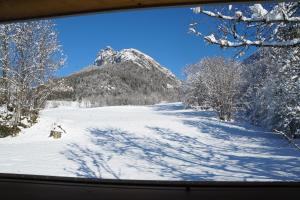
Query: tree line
(124, 83)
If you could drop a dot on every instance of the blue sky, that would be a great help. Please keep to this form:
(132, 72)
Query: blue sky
(161, 33)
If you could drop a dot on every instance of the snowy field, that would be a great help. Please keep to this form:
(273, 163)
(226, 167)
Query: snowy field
(161, 142)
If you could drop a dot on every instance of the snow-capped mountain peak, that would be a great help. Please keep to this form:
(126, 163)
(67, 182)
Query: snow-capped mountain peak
(108, 55)
(105, 56)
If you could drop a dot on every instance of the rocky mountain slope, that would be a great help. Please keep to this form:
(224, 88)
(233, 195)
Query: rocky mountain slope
(126, 77)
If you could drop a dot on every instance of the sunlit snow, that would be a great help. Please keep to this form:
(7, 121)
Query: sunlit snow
(160, 142)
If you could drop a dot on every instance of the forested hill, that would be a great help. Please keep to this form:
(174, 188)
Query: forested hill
(127, 77)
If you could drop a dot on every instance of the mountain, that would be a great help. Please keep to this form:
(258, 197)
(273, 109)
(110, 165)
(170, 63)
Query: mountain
(110, 56)
(126, 77)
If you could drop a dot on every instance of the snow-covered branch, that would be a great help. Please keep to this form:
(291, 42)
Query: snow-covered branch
(259, 14)
(260, 28)
(259, 43)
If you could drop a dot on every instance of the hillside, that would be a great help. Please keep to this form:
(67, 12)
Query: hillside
(128, 77)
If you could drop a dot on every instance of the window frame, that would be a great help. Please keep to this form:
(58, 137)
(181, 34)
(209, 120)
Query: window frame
(16, 186)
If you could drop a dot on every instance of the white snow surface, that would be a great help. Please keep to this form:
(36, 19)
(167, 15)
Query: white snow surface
(160, 142)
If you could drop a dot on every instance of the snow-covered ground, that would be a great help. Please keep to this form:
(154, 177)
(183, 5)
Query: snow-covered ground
(160, 142)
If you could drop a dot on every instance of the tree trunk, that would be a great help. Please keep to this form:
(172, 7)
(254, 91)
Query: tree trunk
(5, 67)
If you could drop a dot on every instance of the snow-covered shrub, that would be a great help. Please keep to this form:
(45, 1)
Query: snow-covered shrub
(214, 82)
(55, 134)
(56, 131)
(8, 130)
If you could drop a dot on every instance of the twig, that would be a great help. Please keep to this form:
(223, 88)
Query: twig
(288, 138)
(59, 126)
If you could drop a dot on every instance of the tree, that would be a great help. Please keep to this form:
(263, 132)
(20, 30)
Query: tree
(215, 82)
(251, 26)
(272, 95)
(5, 38)
(30, 55)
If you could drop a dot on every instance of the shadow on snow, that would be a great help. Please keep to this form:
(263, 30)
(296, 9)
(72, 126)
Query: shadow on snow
(175, 155)
(91, 164)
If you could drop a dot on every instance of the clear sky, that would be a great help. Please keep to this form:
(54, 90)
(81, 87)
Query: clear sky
(161, 33)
